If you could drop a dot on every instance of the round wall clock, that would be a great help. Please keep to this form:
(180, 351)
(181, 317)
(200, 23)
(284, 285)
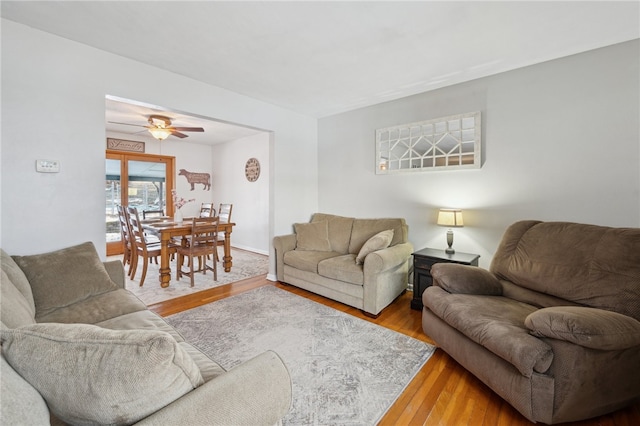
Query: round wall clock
(252, 169)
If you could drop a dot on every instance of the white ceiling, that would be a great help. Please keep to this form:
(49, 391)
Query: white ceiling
(327, 57)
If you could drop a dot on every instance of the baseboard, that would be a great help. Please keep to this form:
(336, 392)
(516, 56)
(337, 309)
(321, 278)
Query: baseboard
(272, 277)
(251, 249)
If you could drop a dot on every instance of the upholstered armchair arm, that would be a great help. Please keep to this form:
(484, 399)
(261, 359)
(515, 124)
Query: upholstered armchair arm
(282, 244)
(390, 257)
(465, 279)
(115, 269)
(588, 327)
(257, 392)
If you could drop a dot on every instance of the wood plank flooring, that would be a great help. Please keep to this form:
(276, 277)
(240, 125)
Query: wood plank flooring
(442, 393)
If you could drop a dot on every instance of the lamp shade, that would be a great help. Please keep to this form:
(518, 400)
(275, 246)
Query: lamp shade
(159, 132)
(450, 217)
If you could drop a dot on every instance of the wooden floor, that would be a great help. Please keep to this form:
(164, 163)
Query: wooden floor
(442, 393)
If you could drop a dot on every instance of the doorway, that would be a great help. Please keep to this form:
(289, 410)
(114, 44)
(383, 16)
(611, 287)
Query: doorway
(143, 181)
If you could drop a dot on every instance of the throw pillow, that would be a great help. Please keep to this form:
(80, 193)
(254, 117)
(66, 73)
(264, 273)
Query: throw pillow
(63, 277)
(588, 327)
(378, 242)
(313, 236)
(92, 375)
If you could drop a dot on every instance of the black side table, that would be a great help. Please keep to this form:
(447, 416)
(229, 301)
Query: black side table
(424, 259)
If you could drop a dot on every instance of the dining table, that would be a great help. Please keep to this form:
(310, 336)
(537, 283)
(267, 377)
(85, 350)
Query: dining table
(167, 229)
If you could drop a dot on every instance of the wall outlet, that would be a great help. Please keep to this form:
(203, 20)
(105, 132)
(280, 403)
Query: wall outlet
(47, 166)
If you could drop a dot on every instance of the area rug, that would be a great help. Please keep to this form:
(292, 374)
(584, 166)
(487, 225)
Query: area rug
(345, 370)
(246, 264)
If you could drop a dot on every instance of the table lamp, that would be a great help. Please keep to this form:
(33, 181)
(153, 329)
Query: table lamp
(453, 219)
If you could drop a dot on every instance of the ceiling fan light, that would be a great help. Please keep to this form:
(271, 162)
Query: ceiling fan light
(160, 133)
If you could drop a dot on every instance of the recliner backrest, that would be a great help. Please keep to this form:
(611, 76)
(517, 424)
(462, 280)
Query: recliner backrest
(591, 265)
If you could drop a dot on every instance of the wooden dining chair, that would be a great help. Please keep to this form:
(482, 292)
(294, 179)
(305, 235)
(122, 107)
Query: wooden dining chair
(146, 214)
(125, 236)
(207, 210)
(201, 243)
(140, 245)
(224, 213)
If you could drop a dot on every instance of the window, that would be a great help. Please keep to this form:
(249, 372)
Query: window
(445, 143)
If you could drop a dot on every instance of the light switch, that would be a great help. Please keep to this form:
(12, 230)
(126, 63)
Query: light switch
(47, 166)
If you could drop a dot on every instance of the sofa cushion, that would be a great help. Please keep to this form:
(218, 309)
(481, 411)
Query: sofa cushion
(339, 230)
(589, 327)
(378, 242)
(307, 260)
(312, 236)
(363, 229)
(63, 277)
(342, 268)
(495, 322)
(15, 311)
(88, 374)
(17, 277)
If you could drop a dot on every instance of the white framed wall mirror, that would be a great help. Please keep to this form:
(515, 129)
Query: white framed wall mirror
(452, 142)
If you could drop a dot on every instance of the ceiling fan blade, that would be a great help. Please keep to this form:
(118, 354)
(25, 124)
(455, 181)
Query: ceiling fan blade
(128, 124)
(178, 134)
(189, 129)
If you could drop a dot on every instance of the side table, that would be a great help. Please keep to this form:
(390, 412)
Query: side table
(424, 259)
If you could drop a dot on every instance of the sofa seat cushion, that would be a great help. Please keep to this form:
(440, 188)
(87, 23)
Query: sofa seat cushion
(96, 309)
(495, 322)
(342, 268)
(91, 375)
(307, 260)
(64, 277)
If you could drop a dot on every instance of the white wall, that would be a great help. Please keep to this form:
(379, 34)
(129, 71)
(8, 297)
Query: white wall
(53, 107)
(250, 199)
(560, 142)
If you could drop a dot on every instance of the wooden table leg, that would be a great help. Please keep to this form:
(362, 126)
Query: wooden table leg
(227, 263)
(165, 269)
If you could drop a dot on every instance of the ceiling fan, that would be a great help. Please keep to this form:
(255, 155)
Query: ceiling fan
(160, 127)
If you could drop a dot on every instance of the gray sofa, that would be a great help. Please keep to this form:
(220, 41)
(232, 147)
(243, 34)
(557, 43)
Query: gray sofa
(554, 326)
(363, 263)
(78, 348)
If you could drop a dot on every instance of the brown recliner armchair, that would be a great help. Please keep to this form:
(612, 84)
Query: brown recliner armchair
(554, 326)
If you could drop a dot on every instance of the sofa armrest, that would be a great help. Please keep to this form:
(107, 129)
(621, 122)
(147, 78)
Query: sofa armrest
(115, 269)
(588, 327)
(282, 244)
(390, 257)
(257, 392)
(465, 279)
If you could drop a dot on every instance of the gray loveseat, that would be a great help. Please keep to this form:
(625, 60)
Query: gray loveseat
(78, 348)
(554, 326)
(363, 263)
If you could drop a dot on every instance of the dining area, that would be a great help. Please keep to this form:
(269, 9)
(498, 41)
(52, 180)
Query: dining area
(176, 243)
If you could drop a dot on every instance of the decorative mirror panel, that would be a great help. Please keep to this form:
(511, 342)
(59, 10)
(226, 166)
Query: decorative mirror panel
(445, 143)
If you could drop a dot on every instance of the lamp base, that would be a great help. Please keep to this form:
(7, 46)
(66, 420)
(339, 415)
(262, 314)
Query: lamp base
(449, 250)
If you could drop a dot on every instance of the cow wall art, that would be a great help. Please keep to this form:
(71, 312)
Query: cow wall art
(193, 178)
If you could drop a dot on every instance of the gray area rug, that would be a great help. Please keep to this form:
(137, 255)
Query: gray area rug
(246, 264)
(345, 370)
